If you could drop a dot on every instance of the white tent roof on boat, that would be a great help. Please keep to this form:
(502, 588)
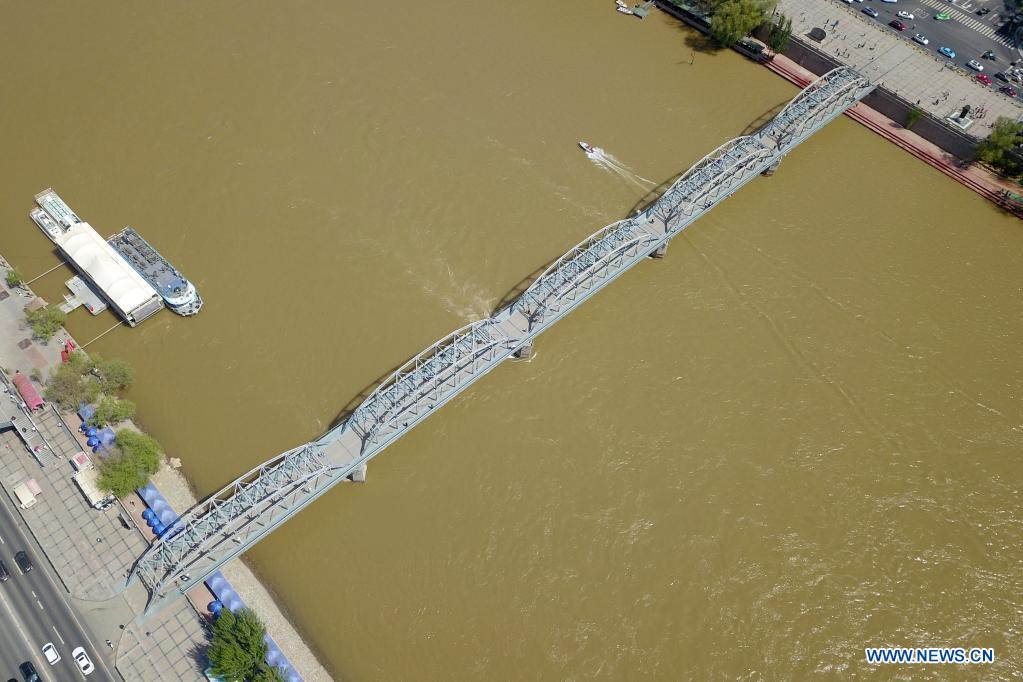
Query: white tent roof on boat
(91, 254)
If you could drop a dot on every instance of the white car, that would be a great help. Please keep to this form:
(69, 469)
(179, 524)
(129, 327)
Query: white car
(50, 651)
(890, 1)
(82, 659)
(920, 38)
(975, 65)
(906, 15)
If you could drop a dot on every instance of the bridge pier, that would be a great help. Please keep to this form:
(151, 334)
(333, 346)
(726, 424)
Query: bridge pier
(359, 475)
(769, 171)
(524, 352)
(660, 251)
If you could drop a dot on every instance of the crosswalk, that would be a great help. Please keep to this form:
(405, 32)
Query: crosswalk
(968, 21)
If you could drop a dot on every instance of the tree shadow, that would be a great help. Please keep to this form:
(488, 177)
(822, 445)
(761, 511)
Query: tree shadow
(699, 42)
(197, 653)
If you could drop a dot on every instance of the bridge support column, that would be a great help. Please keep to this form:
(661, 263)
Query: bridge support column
(525, 351)
(660, 251)
(769, 171)
(359, 475)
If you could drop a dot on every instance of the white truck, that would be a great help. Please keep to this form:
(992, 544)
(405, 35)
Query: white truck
(87, 482)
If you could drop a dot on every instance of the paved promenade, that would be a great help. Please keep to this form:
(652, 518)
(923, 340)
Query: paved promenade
(914, 73)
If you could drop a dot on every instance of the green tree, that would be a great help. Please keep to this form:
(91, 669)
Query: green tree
(69, 386)
(113, 410)
(142, 448)
(115, 375)
(734, 19)
(238, 648)
(779, 33)
(129, 466)
(999, 149)
(120, 475)
(45, 321)
(14, 277)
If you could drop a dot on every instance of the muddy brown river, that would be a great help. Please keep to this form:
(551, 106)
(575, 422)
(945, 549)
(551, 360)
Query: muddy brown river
(796, 436)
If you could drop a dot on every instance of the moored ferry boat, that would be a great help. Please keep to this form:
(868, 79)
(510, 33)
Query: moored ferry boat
(178, 293)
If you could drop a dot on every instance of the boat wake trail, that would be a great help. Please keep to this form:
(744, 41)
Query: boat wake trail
(608, 162)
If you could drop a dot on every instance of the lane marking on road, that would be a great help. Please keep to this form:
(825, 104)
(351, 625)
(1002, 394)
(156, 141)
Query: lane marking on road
(17, 624)
(2, 541)
(34, 594)
(58, 634)
(40, 605)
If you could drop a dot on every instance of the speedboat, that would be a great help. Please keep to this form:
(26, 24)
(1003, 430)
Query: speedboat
(587, 148)
(621, 3)
(624, 10)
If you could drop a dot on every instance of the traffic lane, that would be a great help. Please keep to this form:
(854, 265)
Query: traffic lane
(960, 37)
(39, 613)
(939, 36)
(43, 595)
(16, 645)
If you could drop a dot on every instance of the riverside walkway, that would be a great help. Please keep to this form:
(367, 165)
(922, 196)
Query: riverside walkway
(227, 523)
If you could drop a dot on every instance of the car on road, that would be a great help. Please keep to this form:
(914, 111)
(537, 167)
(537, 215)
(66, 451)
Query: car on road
(1008, 90)
(975, 65)
(28, 671)
(942, 16)
(50, 651)
(82, 659)
(989, 55)
(869, 11)
(983, 78)
(4, 573)
(948, 52)
(890, 1)
(983, 10)
(897, 25)
(920, 38)
(906, 15)
(23, 561)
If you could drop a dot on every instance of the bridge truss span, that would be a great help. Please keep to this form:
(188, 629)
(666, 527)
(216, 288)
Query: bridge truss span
(249, 508)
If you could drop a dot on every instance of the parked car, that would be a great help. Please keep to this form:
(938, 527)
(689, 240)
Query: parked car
(948, 52)
(28, 671)
(23, 561)
(906, 15)
(1001, 76)
(983, 78)
(82, 659)
(870, 12)
(897, 25)
(920, 38)
(942, 16)
(1008, 90)
(50, 651)
(975, 65)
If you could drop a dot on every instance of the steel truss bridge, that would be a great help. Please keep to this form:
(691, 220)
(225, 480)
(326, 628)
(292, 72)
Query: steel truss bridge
(248, 509)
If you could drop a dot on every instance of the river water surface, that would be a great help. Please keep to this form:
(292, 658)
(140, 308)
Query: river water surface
(796, 436)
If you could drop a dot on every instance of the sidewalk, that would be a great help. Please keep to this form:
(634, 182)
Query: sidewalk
(917, 74)
(977, 178)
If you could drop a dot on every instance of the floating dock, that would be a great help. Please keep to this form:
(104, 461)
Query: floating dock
(102, 271)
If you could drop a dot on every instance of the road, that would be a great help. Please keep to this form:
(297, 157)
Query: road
(34, 611)
(965, 35)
